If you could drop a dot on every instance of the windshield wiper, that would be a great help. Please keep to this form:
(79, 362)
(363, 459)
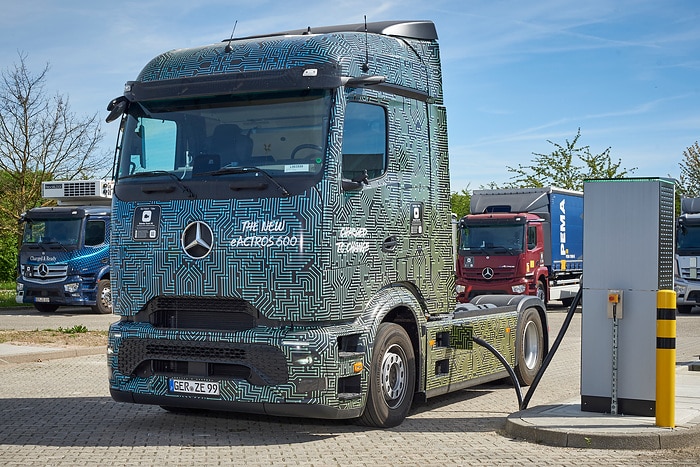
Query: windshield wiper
(245, 170)
(52, 243)
(506, 249)
(147, 189)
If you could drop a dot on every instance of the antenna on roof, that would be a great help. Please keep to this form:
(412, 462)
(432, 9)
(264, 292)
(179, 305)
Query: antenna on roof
(365, 66)
(228, 48)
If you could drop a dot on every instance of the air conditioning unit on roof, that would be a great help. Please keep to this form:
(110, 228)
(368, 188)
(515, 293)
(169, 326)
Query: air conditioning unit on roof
(74, 192)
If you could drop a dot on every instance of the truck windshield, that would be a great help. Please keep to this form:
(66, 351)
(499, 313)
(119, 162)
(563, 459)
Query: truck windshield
(282, 133)
(57, 231)
(688, 239)
(492, 239)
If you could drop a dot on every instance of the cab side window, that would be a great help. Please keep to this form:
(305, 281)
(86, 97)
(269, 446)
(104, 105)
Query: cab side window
(531, 237)
(94, 233)
(364, 141)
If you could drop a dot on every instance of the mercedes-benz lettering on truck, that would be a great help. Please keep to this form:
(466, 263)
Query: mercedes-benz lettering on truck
(687, 272)
(522, 241)
(64, 256)
(283, 221)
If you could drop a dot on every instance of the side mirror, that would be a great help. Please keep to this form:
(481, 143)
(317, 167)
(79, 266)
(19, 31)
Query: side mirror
(116, 108)
(351, 185)
(356, 183)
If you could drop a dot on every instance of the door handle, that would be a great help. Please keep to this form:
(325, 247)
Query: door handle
(389, 244)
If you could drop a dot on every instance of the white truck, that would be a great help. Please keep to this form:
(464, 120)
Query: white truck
(687, 264)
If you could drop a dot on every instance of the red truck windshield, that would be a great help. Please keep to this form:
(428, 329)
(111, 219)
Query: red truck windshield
(492, 239)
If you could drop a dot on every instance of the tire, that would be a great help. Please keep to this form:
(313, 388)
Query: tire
(567, 302)
(103, 297)
(541, 292)
(529, 346)
(392, 378)
(684, 309)
(45, 307)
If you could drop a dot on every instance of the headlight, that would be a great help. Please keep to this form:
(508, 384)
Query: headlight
(72, 287)
(20, 287)
(460, 288)
(518, 289)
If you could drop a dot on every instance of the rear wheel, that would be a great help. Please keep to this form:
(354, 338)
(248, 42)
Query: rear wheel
(391, 378)
(103, 302)
(45, 307)
(529, 346)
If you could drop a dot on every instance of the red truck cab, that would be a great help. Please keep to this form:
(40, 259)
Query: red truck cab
(501, 253)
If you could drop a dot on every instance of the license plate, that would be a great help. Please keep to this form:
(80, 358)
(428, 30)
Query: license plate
(187, 386)
(41, 299)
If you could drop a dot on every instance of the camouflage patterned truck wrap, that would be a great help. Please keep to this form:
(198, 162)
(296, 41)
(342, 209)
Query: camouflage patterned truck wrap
(281, 230)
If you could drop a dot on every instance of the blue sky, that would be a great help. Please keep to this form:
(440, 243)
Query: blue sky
(516, 74)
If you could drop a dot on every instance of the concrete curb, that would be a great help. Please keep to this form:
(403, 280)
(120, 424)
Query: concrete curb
(559, 426)
(36, 354)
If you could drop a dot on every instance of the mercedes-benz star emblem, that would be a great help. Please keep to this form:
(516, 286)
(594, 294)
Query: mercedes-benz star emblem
(487, 273)
(197, 240)
(43, 270)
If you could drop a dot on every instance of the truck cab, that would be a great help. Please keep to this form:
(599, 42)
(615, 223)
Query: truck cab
(687, 264)
(522, 241)
(64, 256)
(501, 253)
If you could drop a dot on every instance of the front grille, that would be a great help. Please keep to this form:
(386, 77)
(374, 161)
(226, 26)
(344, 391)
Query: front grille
(42, 293)
(476, 275)
(263, 364)
(223, 314)
(44, 273)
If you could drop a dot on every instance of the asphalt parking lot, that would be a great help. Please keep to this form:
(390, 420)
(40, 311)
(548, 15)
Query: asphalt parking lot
(58, 412)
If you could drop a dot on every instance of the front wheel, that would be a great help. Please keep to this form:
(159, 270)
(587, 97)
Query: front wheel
(529, 346)
(103, 301)
(541, 292)
(391, 378)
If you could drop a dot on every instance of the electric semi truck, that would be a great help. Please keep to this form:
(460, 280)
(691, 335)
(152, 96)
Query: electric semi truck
(64, 255)
(282, 232)
(522, 241)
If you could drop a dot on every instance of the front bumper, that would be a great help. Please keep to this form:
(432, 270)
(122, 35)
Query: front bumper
(277, 371)
(687, 292)
(72, 291)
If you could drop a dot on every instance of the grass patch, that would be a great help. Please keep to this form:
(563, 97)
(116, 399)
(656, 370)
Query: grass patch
(77, 329)
(8, 294)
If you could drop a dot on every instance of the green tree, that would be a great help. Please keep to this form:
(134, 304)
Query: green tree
(689, 180)
(460, 202)
(40, 139)
(567, 167)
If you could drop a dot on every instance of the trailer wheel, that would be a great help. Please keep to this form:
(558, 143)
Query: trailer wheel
(45, 307)
(391, 378)
(529, 346)
(103, 301)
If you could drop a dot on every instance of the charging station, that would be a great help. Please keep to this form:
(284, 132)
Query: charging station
(628, 244)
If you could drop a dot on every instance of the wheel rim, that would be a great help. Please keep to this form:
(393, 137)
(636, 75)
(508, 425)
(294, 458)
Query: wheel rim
(531, 345)
(106, 297)
(393, 375)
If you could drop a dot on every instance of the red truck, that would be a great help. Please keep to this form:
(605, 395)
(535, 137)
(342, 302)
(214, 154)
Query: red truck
(525, 241)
